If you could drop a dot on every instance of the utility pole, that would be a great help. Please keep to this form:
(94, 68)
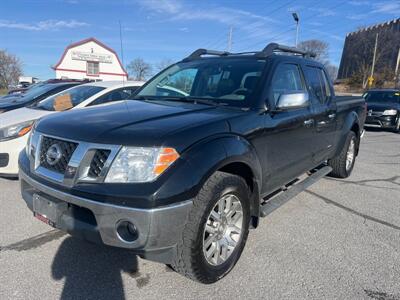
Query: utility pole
(296, 19)
(396, 72)
(371, 78)
(122, 49)
(230, 35)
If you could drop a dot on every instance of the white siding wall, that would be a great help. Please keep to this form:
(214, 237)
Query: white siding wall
(79, 66)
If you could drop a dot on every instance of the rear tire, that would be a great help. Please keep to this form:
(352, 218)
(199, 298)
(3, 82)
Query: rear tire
(343, 164)
(397, 129)
(209, 249)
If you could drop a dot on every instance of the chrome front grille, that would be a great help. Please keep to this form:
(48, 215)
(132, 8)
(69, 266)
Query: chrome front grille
(68, 161)
(67, 149)
(98, 161)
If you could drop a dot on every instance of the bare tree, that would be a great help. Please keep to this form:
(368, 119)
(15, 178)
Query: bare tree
(139, 69)
(320, 48)
(10, 69)
(163, 64)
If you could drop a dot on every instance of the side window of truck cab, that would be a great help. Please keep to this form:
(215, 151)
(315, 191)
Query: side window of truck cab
(287, 79)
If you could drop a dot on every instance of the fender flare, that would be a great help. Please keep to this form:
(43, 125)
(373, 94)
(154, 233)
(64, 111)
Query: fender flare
(208, 156)
(350, 120)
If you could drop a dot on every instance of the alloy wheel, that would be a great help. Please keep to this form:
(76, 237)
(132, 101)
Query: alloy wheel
(223, 230)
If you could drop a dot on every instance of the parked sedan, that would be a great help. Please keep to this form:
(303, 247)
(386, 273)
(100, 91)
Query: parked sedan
(34, 95)
(383, 108)
(16, 124)
(18, 92)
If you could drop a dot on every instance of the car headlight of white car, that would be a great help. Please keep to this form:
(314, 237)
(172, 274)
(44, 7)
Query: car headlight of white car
(140, 164)
(390, 112)
(15, 131)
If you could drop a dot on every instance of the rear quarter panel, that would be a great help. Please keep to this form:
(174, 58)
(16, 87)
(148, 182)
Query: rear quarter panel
(350, 110)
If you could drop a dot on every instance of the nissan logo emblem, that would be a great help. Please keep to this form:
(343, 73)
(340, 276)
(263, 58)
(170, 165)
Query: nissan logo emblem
(53, 154)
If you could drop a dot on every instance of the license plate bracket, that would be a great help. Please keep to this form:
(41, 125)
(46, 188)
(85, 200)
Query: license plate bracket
(48, 211)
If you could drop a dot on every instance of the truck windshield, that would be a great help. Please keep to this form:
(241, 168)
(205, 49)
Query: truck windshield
(230, 81)
(69, 98)
(382, 97)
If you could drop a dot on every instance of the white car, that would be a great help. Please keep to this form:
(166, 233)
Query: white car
(16, 124)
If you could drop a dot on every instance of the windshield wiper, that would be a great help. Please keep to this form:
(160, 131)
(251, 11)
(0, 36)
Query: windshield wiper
(185, 99)
(196, 100)
(144, 98)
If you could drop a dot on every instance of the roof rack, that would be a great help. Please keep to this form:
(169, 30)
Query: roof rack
(274, 47)
(270, 49)
(199, 52)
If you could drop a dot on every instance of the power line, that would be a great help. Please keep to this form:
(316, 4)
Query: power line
(283, 32)
(280, 7)
(211, 44)
(250, 47)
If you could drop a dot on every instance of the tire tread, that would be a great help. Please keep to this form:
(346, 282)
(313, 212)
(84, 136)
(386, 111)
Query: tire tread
(187, 251)
(338, 163)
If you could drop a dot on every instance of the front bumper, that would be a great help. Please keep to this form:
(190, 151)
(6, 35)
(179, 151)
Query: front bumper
(12, 148)
(381, 121)
(159, 229)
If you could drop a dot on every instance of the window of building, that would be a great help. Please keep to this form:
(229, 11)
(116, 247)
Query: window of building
(92, 68)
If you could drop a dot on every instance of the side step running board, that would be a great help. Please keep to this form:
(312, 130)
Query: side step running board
(277, 201)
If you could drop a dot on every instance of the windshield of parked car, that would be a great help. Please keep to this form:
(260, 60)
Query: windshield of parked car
(218, 80)
(35, 92)
(382, 97)
(69, 98)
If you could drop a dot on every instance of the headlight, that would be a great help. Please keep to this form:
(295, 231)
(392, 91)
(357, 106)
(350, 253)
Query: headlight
(140, 164)
(15, 131)
(390, 112)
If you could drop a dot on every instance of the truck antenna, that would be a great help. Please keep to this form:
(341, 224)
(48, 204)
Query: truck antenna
(122, 50)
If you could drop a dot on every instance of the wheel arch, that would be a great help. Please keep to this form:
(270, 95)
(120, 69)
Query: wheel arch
(244, 170)
(351, 123)
(239, 158)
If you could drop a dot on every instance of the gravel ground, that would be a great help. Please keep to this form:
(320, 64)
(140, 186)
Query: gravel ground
(340, 239)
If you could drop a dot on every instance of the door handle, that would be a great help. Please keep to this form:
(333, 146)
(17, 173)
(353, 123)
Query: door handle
(309, 122)
(331, 116)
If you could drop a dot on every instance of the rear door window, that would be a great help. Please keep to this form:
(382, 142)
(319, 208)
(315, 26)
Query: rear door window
(318, 83)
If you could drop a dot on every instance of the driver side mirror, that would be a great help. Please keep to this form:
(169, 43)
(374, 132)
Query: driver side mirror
(293, 100)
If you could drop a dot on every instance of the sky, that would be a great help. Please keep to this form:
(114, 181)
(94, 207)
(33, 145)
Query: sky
(37, 31)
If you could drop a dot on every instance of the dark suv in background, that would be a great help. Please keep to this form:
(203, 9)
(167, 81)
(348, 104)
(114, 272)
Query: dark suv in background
(383, 108)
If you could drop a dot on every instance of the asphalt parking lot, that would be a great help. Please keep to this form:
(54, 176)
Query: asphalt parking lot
(340, 239)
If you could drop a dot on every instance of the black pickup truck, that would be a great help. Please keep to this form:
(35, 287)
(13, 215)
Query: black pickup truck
(180, 172)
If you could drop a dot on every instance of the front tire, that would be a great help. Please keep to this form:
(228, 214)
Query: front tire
(343, 164)
(216, 231)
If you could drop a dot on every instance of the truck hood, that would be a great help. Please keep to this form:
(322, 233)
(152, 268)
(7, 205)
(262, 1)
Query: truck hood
(139, 123)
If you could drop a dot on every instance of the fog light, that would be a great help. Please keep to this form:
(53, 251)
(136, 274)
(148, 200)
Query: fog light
(127, 231)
